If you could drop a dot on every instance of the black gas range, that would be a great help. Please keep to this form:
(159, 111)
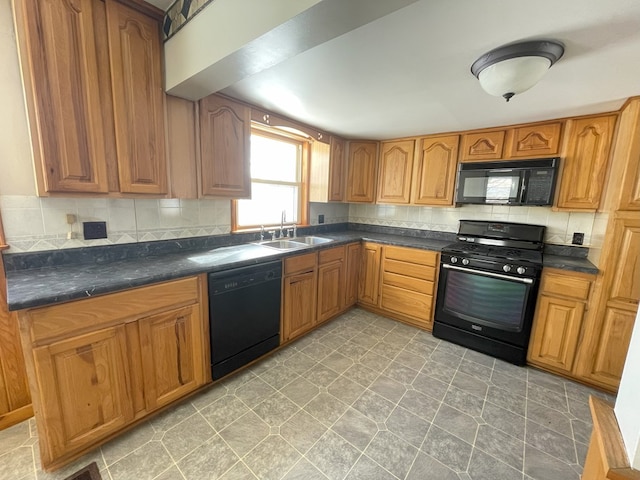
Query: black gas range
(488, 286)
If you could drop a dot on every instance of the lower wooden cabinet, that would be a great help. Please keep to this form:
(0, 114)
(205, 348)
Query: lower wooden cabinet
(399, 282)
(15, 400)
(562, 302)
(299, 291)
(369, 281)
(96, 365)
(331, 282)
(317, 287)
(408, 283)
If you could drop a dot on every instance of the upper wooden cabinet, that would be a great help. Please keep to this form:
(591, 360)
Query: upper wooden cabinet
(585, 161)
(624, 181)
(225, 148)
(337, 163)
(486, 145)
(394, 176)
(93, 79)
(530, 141)
(362, 169)
(434, 171)
(135, 53)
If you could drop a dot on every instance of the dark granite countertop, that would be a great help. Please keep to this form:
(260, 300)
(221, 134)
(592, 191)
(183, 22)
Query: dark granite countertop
(49, 285)
(569, 263)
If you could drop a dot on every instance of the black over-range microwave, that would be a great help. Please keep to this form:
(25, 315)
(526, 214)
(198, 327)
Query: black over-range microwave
(519, 182)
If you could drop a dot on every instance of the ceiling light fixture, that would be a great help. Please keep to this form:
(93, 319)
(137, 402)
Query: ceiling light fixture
(511, 69)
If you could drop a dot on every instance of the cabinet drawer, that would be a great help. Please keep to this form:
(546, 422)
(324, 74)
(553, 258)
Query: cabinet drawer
(566, 285)
(413, 255)
(408, 283)
(91, 313)
(299, 263)
(412, 304)
(331, 255)
(413, 270)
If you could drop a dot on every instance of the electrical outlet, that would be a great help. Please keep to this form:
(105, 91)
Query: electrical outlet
(321, 218)
(578, 238)
(94, 230)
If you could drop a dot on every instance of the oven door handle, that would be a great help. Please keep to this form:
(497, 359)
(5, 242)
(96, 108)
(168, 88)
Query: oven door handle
(488, 274)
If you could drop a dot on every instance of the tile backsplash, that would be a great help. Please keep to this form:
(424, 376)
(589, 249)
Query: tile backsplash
(560, 225)
(33, 224)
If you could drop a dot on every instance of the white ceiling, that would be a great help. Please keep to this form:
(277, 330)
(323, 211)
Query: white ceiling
(408, 72)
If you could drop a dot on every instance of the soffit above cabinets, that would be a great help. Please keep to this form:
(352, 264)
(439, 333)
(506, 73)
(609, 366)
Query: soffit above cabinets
(402, 68)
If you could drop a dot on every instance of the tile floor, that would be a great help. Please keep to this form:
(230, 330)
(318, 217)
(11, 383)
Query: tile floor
(362, 397)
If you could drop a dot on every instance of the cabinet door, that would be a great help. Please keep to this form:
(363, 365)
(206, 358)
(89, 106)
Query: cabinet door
(330, 290)
(585, 162)
(394, 179)
(336, 169)
(61, 74)
(299, 304)
(627, 156)
(434, 170)
(369, 278)
(15, 400)
(482, 146)
(172, 356)
(611, 346)
(225, 135)
(361, 178)
(135, 52)
(83, 390)
(352, 274)
(534, 141)
(554, 338)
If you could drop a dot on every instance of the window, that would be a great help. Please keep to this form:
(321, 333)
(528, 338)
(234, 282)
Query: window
(278, 174)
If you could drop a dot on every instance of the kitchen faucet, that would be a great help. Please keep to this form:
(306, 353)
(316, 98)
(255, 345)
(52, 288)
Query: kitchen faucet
(283, 218)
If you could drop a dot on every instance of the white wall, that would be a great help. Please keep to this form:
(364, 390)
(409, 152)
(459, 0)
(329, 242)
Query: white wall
(627, 409)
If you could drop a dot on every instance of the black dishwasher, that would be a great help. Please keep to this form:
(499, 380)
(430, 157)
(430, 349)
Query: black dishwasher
(244, 315)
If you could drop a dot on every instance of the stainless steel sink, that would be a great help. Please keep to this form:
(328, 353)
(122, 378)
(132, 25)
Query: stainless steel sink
(284, 244)
(311, 240)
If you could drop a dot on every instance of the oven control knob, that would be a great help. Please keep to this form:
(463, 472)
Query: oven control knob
(465, 261)
(521, 270)
(454, 259)
(506, 268)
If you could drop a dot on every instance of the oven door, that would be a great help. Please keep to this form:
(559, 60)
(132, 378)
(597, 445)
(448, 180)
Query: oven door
(486, 303)
(500, 186)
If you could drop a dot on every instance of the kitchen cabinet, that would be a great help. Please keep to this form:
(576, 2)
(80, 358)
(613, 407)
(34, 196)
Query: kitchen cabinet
(92, 73)
(225, 150)
(623, 192)
(395, 167)
(434, 170)
(369, 279)
(484, 145)
(135, 55)
(331, 282)
(408, 283)
(327, 171)
(361, 173)
(585, 162)
(531, 141)
(299, 293)
(558, 321)
(399, 282)
(97, 365)
(352, 274)
(610, 322)
(15, 400)
(182, 147)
